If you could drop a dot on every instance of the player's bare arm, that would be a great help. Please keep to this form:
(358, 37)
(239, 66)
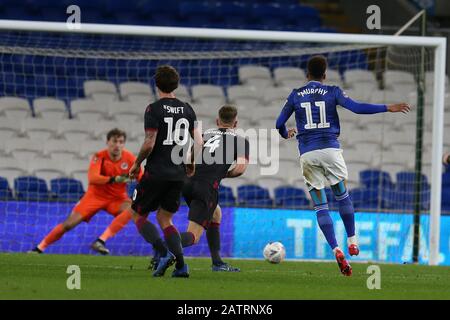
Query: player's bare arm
(239, 169)
(146, 150)
(196, 149)
(399, 107)
(190, 165)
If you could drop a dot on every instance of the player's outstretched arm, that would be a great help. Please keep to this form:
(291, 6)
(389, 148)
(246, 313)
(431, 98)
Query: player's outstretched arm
(366, 108)
(399, 107)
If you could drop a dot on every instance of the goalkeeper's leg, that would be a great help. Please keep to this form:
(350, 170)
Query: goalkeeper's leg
(347, 213)
(85, 209)
(119, 222)
(71, 222)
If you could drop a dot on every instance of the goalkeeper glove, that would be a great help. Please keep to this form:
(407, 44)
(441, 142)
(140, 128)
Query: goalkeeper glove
(120, 179)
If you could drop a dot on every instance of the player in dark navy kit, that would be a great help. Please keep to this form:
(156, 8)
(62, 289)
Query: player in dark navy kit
(222, 147)
(321, 160)
(169, 126)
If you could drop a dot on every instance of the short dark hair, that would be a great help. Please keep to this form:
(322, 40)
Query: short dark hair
(317, 65)
(166, 78)
(116, 133)
(227, 114)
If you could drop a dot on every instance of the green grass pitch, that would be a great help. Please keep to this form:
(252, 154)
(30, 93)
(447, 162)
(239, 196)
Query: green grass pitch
(44, 277)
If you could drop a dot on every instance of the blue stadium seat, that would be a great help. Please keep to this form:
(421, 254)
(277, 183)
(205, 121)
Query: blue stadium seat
(226, 196)
(408, 178)
(218, 72)
(373, 179)
(193, 8)
(262, 12)
(290, 197)
(406, 186)
(29, 188)
(364, 199)
(230, 10)
(353, 60)
(159, 7)
(94, 16)
(253, 195)
(305, 16)
(118, 5)
(197, 13)
(324, 29)
(404, 199)
(5, 190)
(66, 189)
(344, 60)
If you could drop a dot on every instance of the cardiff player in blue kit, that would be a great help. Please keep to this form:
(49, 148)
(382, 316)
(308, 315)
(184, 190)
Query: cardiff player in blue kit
(321, 160)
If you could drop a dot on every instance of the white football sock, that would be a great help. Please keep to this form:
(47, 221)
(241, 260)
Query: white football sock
(352, 240)
(336, 249)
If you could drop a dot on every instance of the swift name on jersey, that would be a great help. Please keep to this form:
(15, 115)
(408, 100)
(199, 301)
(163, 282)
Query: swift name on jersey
(174, 110)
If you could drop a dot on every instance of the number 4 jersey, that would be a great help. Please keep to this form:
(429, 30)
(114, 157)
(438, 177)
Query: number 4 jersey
(221, 148)
(174, 121)
(315, 107)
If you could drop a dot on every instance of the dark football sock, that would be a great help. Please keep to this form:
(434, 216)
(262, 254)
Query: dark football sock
(213, 237)
(151, 234)
(187, 239)
(173, 241)
(326, 224)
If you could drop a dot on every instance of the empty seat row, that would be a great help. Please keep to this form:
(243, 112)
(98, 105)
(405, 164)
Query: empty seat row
(281, 13)
(73, 131)
(102, 96)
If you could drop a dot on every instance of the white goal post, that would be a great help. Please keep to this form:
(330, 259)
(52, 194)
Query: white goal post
(436, 43)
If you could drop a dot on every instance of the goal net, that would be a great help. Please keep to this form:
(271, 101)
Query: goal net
(61, 92)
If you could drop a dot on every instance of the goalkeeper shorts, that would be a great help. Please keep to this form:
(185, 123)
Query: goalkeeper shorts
(89, 205)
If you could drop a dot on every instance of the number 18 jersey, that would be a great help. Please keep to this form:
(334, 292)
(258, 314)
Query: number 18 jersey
(174, 122)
